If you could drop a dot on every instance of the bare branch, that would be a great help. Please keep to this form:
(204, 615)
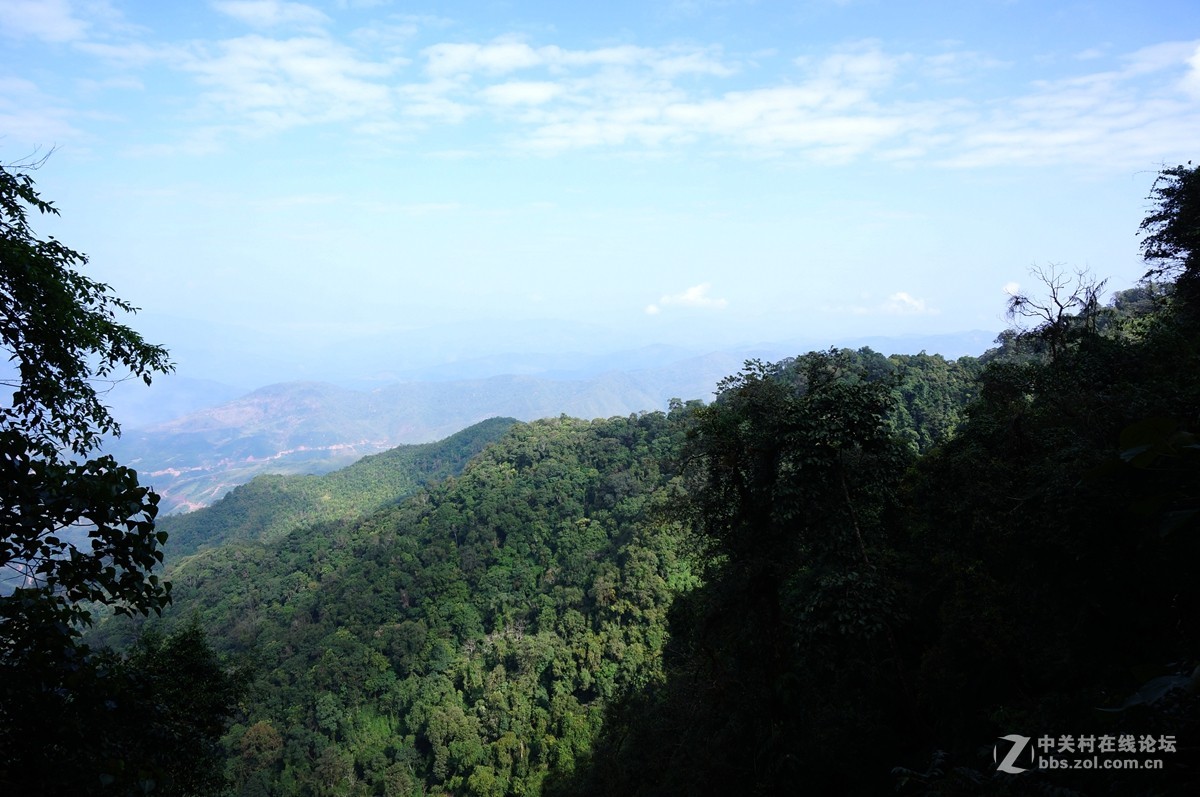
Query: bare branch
(1071, 301)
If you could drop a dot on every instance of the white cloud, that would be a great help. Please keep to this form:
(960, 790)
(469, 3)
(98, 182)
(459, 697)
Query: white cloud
(958, 66)
(1011, 288)
(862, 65)
(1191, 80)
(830, 113)
(48, 20)
(264, 85)
(27, 116)
(690, 63)
(134, 54)
(849, 103)
(522, 93)
(115, 82)
(1138, 113)
(899, 303)
(449, 60)
(852, 103)
(506, 55)
(902, 303)
(653, 309)
(695, 296)
(271, 13)
(430, 103)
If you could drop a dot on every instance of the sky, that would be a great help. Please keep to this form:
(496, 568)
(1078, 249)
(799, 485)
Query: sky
(268, 178)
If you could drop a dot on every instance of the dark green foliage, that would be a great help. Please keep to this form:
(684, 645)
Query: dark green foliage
(1059, 530)
(270, 506)
(786, 655)
(82, 723)
(926, 393)
(1172, 230)
(1032, 573)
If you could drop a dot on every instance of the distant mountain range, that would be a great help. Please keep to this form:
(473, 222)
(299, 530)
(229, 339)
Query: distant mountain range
(195, 441)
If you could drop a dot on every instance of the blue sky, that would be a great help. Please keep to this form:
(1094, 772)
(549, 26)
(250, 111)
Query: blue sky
(715, 172)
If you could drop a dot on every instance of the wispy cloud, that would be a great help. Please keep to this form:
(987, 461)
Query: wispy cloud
(272, 13)
(274, 84)
(28, 115)
(1125, 115)
(856, 101)
(47, 20)
(1191, 80)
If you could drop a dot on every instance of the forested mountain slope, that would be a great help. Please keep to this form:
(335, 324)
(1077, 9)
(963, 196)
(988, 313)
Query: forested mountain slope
(870, 622)
(465, 640)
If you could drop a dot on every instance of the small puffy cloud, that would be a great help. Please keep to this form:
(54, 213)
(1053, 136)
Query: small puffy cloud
(1011, 288)
(695, 296)
(902, 303)
(899, 303)
(271, 13)
(653, 309)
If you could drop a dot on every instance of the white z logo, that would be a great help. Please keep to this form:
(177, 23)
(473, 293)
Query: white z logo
(1018, 744)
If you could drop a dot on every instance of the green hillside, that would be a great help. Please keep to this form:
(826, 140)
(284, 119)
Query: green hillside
(273, 505)
(467, 639)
